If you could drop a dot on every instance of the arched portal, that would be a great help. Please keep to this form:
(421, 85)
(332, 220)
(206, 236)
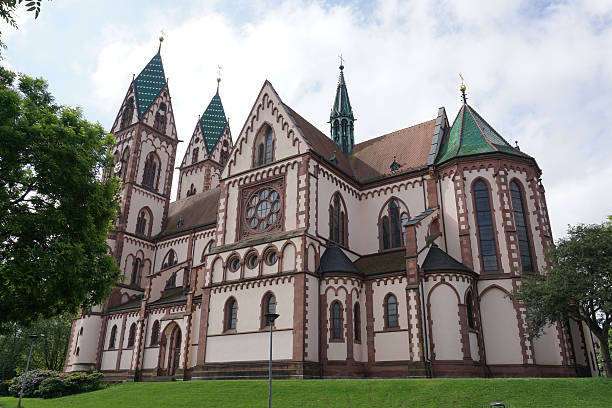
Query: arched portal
(169, 350)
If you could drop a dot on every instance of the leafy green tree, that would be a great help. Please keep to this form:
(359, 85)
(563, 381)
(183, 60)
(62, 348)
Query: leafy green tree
(578, 286)
(7, 10)
(55, 208)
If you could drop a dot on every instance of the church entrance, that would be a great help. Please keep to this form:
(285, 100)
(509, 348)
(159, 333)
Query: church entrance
(169, 350)
(174, 351)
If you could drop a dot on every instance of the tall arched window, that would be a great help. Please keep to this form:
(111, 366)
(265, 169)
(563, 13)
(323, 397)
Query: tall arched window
(125, 157)
(337, 221)
(150, 177)
(194, 155)
(136, 268)
(469, 310)
(268, 306)
(170, 259)
(155, 333)
(486, 233)
(264, 143)
(522, 229)
(391, 226)
(113, 337)
(143, 222)
(160, 118)
(132, 335)
(336, 321)
(391, 317)
(231, 312)
(128, 113)
(357, 322)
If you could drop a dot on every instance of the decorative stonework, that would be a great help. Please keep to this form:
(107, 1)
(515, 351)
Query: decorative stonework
(261, 208)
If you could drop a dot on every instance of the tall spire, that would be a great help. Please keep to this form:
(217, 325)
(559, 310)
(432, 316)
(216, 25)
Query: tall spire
(341, 118)
(213, 121)
(149, 83)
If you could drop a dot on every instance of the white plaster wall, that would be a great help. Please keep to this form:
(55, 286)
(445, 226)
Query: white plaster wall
(231, 216)
(126, 359)
(397, 286)
(445, 328)
(200, 244)
(451, 222)
(500, 328)
(392, 346)
(288, 258)
(109, 360)
(547, 348)
(474, 349)
(163, 150)
(291, 198)
(336, 350)
(249, 347)
(150, 357)
(180, 246)
(312, 317)
(195, 177)
(86, 342)
(141, 199)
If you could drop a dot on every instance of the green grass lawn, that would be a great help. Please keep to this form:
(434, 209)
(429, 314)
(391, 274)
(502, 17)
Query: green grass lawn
(528, 392)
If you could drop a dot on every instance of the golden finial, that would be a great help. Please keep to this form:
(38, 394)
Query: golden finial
(161, 39)
(462, 88)
(218, 73)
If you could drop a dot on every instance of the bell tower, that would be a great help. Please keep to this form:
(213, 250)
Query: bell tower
(341, 118)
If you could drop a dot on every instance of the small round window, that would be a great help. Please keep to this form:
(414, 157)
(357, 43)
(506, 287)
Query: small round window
(252, 261)
(271, 257)
(263, 209)
(234, 264)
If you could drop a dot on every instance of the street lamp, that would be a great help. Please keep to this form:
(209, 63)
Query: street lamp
(271, 318)
(33, 337)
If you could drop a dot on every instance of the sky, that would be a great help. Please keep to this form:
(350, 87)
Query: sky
(540, 72)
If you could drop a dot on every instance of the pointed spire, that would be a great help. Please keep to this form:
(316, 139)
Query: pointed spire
(213, 121)
(149, 83)
(341, 117)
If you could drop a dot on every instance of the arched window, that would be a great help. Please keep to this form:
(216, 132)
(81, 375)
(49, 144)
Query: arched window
(132, 335)
(128, 113)
(522, 229)
(336, 310)
(486, 233)
(150, 177)
(136, 267)
(337, 221)
(469, 310)
(344, 136)
(170, 259)
(113, 337)
(171, 283)
(268, 306)
(391, 319)
(143, 222)
(191, 191)
(357, 322)
(155, 333)
(264, 143)
(231, 312)
(125, 157)
(393, 235)
(194, 155)
(405, 219)
(160, 119)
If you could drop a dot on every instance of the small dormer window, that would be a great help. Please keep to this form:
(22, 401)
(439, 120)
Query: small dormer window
(180, 222)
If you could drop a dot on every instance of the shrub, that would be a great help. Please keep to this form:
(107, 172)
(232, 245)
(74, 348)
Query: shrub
(33, 381)
(52, 387)
(4, 388)
(69, 384)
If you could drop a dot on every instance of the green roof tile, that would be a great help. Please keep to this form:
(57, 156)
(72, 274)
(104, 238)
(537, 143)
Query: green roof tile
(470, 135)
(149, 83)
(213, 122)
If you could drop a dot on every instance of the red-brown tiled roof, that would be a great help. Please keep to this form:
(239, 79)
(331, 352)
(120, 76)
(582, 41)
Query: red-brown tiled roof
(198, 210)
(372, 159)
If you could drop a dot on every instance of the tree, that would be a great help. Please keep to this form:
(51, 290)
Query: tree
(8, 7)
(55, 208)
(578, 286)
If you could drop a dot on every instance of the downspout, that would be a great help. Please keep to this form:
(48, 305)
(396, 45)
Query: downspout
(442, 212)
(424, 194)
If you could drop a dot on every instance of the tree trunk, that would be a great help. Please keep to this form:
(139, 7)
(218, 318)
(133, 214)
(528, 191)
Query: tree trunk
(605, 355)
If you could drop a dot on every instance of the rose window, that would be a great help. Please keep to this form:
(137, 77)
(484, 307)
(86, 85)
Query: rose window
(263, 209)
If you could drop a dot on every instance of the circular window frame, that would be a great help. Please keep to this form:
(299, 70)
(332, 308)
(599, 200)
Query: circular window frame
(249, 258)
(234, 260)
(272, 209)
(267, 255)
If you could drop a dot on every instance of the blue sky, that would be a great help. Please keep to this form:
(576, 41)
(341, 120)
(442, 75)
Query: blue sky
(539, 72)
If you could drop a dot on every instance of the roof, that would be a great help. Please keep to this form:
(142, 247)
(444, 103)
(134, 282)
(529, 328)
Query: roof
(438, 260)
(372, 159)
(194, 211)
(334, 260)
(385, 262)
(149, 83)
(470, 135)
(342, 105)
(213, 123)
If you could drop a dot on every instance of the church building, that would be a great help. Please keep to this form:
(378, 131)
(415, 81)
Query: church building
(393, 257)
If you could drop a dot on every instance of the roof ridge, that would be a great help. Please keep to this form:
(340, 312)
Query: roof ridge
(460, 130)
(395, 131)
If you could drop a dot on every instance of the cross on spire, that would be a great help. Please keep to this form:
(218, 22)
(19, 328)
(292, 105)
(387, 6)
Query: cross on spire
(218, 76)
(462, 88)
(341, 61)
(161, 38)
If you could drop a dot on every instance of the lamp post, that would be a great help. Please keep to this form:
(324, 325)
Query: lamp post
(33, 337)
(271, 318)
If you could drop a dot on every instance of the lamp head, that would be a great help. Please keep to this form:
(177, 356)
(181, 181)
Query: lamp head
(271, 317)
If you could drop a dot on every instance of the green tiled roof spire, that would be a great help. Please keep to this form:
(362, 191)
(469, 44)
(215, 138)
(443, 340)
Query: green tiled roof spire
(341, 117)
(470, 135)
(213, 122)
(149, 83)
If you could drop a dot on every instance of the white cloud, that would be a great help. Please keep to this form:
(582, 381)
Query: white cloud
(538, 75)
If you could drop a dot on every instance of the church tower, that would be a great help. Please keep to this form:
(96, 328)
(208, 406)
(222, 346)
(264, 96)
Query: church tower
(208, 151)
(341, 118)
(144, 150)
